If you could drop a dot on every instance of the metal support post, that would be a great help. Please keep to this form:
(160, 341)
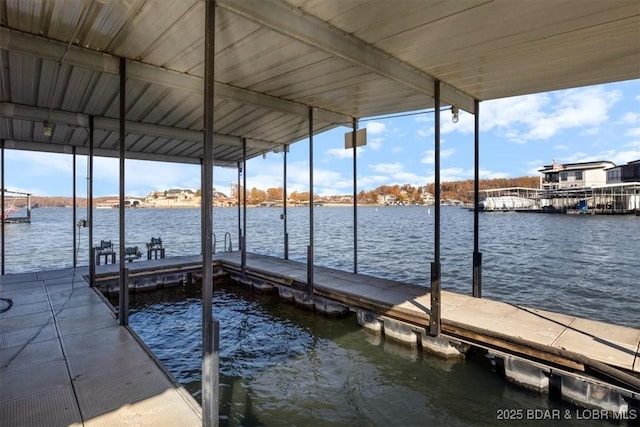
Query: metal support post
(210, 335)
(477, 255)
(310, 260)
(29, 208)
(2, 203)
(124, 297)
(240, 171)
(434, 319)
(92, 258)
(73, 223)
(284, 210)
(243, 238)
(121, 264)
(355, 200)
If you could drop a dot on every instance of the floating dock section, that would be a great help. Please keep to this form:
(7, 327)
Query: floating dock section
(588, 363)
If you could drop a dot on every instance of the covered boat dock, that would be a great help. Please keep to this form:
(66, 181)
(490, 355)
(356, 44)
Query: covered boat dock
(220, 82)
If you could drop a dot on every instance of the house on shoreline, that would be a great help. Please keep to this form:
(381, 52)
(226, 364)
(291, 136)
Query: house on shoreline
(185, 198)
(597, 187)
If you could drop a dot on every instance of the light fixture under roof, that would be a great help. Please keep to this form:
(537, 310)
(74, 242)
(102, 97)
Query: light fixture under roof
(47, 129)
(455, 113)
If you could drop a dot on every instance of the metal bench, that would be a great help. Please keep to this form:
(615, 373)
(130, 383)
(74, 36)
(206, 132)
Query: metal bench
(105, 249)
(155, 248)
(132, 253)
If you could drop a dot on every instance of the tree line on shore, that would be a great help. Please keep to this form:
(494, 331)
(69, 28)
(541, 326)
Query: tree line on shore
(406, 193)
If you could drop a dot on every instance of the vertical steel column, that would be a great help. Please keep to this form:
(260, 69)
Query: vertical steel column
(434, 318)
(75, 252)
(284, 198)
(124, 289)
(310, 247)
(2, 203)
(477, 255)
(355, 200)
(243, 254)
(92, 256)
(240, 171)
(210, 326)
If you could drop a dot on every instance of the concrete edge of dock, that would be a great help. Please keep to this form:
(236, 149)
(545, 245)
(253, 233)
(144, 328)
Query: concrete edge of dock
(91, 371)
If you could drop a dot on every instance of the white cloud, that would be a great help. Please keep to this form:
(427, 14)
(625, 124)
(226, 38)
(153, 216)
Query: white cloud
(532, 167)
(633, 132)
(375, 143)
(142, 177)
(561, 147)
(387, 167)
(487, 174)
(429, 156)
(617, 157)
(267, 174)
(390, 174)
(43, 163)
(622, 157)
(376, 128)
(631, 118)
(635, 144)
(371, 181)
(537, 116)
(342, 153)
(425, 132)
(459, 174)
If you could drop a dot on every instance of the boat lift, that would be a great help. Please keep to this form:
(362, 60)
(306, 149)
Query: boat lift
(10, 207)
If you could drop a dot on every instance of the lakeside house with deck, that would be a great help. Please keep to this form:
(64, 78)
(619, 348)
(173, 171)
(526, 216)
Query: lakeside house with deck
(558, 176)
(596, 187)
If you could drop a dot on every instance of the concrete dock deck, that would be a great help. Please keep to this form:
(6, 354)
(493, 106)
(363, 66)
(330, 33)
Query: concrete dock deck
(65, 361)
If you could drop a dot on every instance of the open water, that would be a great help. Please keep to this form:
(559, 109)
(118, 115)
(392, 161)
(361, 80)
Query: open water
(281, 366)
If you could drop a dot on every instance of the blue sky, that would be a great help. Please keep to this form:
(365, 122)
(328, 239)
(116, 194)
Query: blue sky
(518, 136)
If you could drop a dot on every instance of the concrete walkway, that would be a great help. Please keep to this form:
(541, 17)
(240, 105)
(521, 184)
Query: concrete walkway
(65, 361)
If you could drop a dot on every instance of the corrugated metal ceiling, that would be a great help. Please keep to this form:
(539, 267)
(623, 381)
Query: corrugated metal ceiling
(274, 59)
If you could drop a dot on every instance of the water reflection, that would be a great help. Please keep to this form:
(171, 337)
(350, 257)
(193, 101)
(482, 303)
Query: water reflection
(283, 366)
(580, 265)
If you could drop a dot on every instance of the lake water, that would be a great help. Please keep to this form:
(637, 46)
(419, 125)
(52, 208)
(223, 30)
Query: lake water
(281, 366)
(582, 265)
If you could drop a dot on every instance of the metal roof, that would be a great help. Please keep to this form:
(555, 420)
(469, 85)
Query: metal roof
(601, 164)
(275, 59)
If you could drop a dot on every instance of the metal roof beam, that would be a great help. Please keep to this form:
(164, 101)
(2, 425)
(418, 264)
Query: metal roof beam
(98, 152)
(24, 112)
(27, 44)
(291, 21)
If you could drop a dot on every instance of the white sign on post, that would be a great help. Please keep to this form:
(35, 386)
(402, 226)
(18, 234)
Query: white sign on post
(361, 138)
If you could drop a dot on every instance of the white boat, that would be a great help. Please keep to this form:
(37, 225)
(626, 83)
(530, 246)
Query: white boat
(506, 203)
